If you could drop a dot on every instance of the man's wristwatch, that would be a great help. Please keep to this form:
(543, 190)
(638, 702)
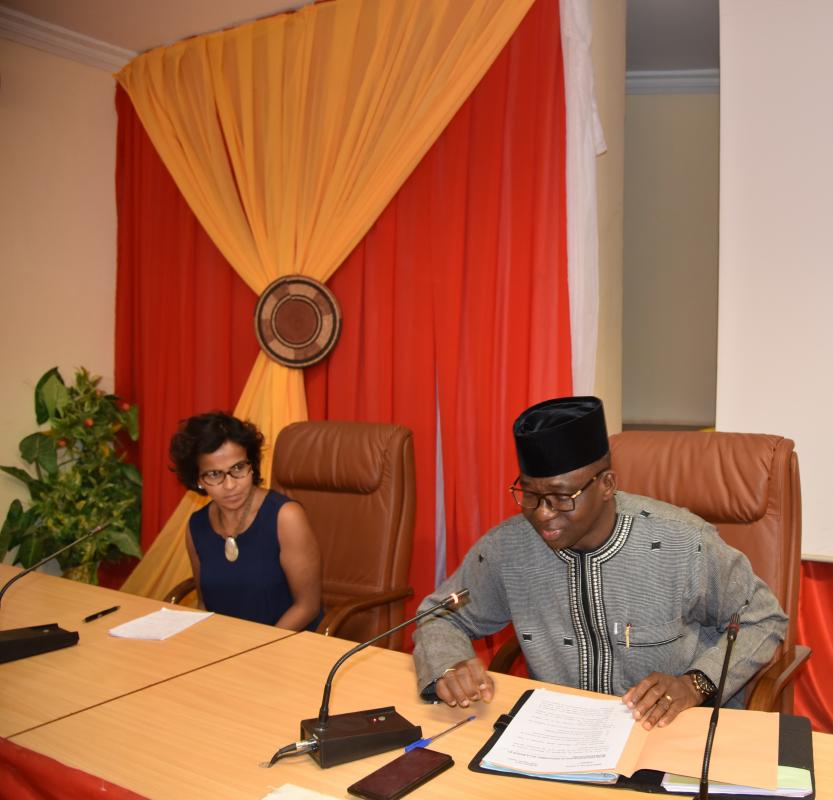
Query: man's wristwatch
(702, 683)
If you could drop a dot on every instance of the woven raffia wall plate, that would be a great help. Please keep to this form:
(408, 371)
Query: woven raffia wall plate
(297, 321)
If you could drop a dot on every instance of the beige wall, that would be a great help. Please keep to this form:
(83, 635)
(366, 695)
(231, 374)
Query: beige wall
(58, 229)
(670, 254)
(609, 73)
(775, 359)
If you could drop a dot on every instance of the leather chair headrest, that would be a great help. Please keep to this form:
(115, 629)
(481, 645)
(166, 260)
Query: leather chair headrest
(722, 477)
(357, 455)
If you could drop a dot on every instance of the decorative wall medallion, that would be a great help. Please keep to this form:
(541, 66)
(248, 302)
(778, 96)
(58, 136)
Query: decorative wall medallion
(297, 321)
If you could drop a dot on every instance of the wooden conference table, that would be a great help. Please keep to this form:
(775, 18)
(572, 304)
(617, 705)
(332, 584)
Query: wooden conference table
(100, 667)
(203, 733)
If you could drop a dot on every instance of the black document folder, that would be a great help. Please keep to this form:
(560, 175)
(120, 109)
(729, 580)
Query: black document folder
(795, 749)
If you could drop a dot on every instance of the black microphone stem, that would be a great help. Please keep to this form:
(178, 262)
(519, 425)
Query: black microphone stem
(40, 563)
(731, 635)
(323, 715)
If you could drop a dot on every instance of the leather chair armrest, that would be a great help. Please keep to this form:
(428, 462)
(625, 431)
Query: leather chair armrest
(505, 657)
(775, 678)
(180, 590)
(336, 617)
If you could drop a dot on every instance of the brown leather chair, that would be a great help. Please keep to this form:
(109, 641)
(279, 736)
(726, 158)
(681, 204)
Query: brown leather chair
(748, 486)
(356, 483)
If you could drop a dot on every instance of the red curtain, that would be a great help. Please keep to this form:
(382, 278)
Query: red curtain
(184, 336)
(456, 301)
(813, 697)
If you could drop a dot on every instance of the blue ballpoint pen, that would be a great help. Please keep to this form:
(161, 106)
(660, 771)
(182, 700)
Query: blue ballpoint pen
(426, 742)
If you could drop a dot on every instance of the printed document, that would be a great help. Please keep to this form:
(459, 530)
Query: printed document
(160, 624)
(564, 733)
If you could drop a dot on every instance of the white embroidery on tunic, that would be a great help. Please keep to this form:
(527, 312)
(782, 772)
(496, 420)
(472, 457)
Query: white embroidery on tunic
(595, 664)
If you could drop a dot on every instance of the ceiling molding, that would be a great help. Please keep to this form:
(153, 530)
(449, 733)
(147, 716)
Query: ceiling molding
(61, 42)
(684, 81)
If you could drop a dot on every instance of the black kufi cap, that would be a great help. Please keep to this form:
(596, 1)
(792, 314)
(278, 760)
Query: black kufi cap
(560, 435)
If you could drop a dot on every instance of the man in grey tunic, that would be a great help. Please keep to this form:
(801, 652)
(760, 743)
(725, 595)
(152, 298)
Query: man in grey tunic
(607, 591)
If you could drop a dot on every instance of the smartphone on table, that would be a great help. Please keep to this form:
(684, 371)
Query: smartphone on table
(402, 775)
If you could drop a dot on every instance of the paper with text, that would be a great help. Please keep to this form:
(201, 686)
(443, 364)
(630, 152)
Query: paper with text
(562, 733)
(160, 624)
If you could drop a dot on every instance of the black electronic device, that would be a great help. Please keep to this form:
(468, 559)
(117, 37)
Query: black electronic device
(24, 642)
(402, 775)
(358, 734)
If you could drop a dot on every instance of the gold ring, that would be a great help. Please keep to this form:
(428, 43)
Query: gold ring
(669, 699)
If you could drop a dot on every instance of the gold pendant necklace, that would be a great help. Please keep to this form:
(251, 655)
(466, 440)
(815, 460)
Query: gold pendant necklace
(230, 548)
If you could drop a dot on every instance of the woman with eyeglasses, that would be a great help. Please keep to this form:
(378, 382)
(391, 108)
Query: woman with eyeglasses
(252, 550)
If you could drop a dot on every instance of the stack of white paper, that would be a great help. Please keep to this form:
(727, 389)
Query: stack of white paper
(159, 625)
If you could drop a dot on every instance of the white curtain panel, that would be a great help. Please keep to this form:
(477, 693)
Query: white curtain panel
(585, 141)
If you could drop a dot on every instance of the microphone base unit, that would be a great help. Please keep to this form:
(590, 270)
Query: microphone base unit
(359, 734)
(24, 642)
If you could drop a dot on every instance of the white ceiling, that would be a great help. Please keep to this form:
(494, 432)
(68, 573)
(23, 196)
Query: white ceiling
(662, 34)
(140, 25)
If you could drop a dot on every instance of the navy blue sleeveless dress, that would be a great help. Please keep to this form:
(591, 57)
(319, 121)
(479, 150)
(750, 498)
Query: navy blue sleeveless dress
(254, 587)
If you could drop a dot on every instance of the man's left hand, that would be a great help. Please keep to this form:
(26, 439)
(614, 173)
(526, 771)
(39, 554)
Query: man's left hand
(657, 699)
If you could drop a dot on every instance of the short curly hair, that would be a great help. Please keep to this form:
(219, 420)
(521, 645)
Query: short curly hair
(205, 433)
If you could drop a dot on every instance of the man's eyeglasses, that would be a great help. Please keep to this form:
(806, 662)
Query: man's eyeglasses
(530, 500)
(214, 477)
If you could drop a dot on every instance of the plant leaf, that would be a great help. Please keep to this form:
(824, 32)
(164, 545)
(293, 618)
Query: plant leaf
(31, 551)
(125, 543)
(23, 526)
(38, 448)
(133, 423)
(35, 486)
(47, 392)
(131, 473)
(11, 524)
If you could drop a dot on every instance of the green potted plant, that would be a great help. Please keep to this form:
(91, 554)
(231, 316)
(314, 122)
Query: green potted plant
(80, 480)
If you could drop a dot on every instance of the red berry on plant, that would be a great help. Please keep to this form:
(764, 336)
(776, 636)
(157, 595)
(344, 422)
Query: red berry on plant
(124, 406)
(88, 422)
(62, 442)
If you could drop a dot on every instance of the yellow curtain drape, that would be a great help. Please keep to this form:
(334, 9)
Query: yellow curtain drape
(288, 137)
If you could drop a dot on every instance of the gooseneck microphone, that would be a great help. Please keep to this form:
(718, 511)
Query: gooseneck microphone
(731, 635)
(358, 734)
(452, 601)
(23, 642)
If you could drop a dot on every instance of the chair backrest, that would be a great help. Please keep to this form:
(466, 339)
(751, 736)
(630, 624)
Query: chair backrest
(356, 483)
(746, 484)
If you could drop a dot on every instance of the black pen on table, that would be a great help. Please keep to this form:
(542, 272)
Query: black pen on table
(101, 613)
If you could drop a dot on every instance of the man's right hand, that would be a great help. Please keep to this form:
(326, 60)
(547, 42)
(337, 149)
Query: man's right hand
(464, 683)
